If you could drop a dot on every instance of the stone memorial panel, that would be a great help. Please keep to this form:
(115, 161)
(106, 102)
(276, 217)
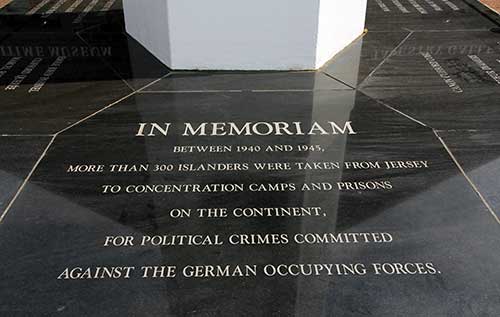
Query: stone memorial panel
(446, 80)
(367, 188)
(248, 203)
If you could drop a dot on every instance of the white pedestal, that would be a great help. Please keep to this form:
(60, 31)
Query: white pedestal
(243, 34)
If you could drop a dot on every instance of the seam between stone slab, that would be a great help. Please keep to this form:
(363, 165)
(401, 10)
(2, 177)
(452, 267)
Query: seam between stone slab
(107, 64)
(26, 135)
(447, 31)
(395, 110)
(385, 59)
(319, 71)
(110, 105)
(335, 78)
(88, 28)
(25, 181)
(238, 91)
(111, 66)
(469, 180)
(94, 113)
(403, 114)
(299, 90)
(405, 29)
(188, 91)
(54, 136)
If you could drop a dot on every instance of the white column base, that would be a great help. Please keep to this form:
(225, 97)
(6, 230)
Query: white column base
(244, 35)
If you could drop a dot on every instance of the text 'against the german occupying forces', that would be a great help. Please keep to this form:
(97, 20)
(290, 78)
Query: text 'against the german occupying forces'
(279, 159)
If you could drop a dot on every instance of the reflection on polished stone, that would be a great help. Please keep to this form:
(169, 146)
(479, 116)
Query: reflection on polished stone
(478, 152)
(397, 15)
(242, 107)
(130, 60)
(265, 81)
(60, 15)
(19, 154)
(360, 59)
(446, 80)
(407, 204)
(48, 83)
(368, 188)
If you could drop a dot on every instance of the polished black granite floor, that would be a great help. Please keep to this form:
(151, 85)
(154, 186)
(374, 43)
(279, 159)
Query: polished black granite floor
(61, 15)
(128, 59)
(57, 73)
(364, 55)
(413, 210)
(367, 188)
(19, 154)
(246, 81)
(477, 153)
(458, 69)
(394, 15)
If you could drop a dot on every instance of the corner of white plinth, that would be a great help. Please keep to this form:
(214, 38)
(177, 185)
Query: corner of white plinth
(339, 24)
(244, 35)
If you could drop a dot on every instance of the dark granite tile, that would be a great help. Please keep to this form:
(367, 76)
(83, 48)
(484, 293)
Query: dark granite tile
(458, 238)
(448, 80)
(53, 7)
(49, 82)
(478, 153)
(392, 15)
(19, 155)
(13, 18)
(431, 213)
(131, 61)
(202, 81)
(353, 64)
(61, 15)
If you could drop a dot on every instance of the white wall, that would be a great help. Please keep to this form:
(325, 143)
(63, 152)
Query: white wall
(235, 34)
(339, 24)
(243, 34)
(147, 22)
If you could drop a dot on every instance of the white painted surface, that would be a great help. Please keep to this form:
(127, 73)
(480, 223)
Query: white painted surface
(242, 34)
(147, 22)
(340, 22)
